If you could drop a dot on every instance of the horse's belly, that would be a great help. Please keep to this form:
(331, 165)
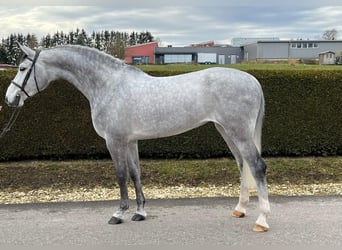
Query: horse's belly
(165, 128)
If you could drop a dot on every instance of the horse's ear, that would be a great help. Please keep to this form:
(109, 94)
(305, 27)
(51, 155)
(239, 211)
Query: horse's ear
(29, 52)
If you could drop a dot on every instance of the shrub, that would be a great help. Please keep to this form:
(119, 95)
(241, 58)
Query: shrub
(303, 117)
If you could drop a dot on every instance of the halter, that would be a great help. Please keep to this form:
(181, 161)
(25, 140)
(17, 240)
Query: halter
(22, 87)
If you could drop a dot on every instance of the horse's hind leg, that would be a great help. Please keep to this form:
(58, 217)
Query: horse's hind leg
(257, 167)
(248, 156)
(240, 209)
(134, 170)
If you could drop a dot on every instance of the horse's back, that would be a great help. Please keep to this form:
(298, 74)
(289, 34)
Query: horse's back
(218, 77)
(225, 84)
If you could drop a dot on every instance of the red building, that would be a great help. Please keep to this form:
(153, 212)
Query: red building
(141, 53)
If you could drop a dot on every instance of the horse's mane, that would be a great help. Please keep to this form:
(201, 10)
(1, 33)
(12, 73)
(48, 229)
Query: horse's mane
(93, 52)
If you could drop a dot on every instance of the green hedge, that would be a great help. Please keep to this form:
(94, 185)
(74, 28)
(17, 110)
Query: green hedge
(303, 117)
(303, 112)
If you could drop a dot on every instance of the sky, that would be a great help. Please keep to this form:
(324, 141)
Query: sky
(176, 22)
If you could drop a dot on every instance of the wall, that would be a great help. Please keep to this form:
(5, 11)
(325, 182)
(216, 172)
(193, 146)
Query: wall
(250, 52)
(284, 50)
(278, 50)
(160, 53)
(141, 50)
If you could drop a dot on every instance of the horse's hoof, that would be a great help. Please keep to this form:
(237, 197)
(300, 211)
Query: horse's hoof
(260, 229)
(138, 217)
(115, 221)
(238, 214)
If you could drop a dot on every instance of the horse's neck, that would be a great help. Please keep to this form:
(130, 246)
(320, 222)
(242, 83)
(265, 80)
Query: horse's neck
(85, 73)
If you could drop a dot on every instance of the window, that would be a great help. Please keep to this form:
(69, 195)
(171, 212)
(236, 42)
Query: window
(306, 45)
(177, 58)
(141, 59)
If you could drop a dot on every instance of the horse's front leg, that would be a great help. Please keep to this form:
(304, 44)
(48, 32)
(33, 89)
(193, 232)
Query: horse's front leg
(119, 154)
(134, 170)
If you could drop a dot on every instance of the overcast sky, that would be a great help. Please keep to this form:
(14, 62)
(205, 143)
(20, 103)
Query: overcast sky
(176, 22)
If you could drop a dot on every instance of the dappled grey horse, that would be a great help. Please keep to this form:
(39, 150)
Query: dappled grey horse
(128, 105)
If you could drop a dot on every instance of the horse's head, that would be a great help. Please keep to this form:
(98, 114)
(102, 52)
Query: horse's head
(26, 82)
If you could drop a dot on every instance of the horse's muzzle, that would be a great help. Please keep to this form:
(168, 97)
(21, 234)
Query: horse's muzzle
(15, 103)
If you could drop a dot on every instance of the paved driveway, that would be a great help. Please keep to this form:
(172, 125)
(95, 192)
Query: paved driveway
(294, 221)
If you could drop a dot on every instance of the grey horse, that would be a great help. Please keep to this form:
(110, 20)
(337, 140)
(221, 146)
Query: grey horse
(128, 105)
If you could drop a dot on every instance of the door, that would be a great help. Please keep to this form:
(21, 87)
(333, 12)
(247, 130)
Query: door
(233, 59)
(222, 59)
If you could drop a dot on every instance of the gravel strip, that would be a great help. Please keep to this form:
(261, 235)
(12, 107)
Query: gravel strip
(153, 192)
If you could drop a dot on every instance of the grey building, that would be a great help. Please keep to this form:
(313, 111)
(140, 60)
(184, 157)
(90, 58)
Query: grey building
(296, 49)
(205, 55)
(241, 41)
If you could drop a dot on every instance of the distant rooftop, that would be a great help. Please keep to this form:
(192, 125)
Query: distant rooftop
(241, 41)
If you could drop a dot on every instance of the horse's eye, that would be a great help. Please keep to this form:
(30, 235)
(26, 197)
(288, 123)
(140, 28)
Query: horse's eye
(22, 68)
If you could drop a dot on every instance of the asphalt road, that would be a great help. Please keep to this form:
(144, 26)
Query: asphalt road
(306, 220)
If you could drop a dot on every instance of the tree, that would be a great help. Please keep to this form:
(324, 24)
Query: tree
(330, 34)
(116, 47)
(112, 42)
(132, 39)
(32, 41)
(47, 41)
(3, 55)
(81, 37)
(13, 51)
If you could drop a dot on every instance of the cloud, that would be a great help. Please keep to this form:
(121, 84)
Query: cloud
(322, 17)
(176, 22)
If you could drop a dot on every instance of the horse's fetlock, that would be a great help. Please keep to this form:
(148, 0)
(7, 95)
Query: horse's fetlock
(124, 207)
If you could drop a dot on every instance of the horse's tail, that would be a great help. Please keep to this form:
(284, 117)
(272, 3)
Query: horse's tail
(247, 175)
(258, 125)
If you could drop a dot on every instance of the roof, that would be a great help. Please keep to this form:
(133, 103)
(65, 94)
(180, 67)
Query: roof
(327, 52)
(143, 44)
(302, 41)
(194, 50)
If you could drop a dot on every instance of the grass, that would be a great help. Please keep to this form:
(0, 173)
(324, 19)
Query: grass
(242, 66)
(30, 175)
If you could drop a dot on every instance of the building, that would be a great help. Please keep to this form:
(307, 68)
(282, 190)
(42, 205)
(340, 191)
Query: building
(327, 57)
(204, 44)
(241, 41)
(202, 55)
(207, 53)
(141, 53)
(289, 49)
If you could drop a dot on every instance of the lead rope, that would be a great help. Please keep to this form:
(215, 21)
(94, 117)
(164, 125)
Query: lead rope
(10, 123)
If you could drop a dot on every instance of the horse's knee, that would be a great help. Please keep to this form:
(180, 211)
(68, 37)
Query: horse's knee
(121, 176)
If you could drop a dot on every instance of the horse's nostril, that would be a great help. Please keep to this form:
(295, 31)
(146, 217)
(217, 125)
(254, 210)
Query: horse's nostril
(17, 100)
(14, 103)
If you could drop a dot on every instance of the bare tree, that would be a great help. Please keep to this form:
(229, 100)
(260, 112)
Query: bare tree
(330, 34)
(32, 41)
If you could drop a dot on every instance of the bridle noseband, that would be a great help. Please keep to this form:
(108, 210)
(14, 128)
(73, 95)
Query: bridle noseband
(22, 87)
